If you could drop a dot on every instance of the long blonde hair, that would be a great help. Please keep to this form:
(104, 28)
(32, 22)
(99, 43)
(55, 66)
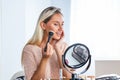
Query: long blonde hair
(45, 16)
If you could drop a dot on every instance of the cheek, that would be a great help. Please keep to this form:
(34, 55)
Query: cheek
(53, 28)
(50, 28)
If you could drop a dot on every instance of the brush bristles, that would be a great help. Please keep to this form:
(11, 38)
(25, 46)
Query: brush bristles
(51, 33)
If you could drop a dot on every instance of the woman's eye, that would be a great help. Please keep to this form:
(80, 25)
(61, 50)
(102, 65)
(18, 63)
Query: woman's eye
(56, 24)
(62, 24)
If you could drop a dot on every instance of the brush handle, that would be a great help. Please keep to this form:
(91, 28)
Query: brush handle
(49, 37)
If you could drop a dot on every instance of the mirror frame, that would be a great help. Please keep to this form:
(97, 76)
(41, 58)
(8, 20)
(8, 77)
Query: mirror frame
(78, 65)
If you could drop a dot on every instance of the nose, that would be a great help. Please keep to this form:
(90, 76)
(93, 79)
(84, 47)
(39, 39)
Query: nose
(60, 27)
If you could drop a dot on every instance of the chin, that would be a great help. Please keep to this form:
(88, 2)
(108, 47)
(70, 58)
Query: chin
(57, 38)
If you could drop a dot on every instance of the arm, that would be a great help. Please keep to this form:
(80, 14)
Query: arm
(65, 72)
(32, 70)
(60, 49)
(41, 70)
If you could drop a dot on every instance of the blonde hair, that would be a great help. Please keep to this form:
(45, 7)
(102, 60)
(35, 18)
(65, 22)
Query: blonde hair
(45, 16)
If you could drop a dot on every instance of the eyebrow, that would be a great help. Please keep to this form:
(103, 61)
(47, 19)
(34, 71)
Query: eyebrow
(57, 21)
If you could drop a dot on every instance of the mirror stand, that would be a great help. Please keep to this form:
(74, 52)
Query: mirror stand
(75, 57)
(75, 77)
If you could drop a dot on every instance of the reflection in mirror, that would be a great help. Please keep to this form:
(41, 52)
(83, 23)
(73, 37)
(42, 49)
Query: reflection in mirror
(75, 57)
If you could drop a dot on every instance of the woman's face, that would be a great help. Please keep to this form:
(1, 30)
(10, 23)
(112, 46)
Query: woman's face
(55, 24)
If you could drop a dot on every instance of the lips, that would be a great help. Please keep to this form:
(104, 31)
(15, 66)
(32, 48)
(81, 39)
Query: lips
(59, 33)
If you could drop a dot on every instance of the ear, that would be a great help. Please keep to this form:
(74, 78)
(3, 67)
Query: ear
(42, 24)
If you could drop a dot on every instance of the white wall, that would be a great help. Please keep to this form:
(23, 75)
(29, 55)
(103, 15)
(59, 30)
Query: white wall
(12, 36)
(96, 23)
(17, 23)
(0, 35)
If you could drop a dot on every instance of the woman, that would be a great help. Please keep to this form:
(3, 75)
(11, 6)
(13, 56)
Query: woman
(37, 63)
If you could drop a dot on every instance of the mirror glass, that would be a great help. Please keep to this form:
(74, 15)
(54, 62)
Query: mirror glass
(76, 56)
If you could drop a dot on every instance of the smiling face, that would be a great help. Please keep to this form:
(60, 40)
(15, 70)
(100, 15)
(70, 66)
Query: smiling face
(55, 24)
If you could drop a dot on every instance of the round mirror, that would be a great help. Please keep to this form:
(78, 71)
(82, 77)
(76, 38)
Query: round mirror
(76, 56)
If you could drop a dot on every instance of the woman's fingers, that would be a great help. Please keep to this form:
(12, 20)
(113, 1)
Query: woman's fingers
(49, 51)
